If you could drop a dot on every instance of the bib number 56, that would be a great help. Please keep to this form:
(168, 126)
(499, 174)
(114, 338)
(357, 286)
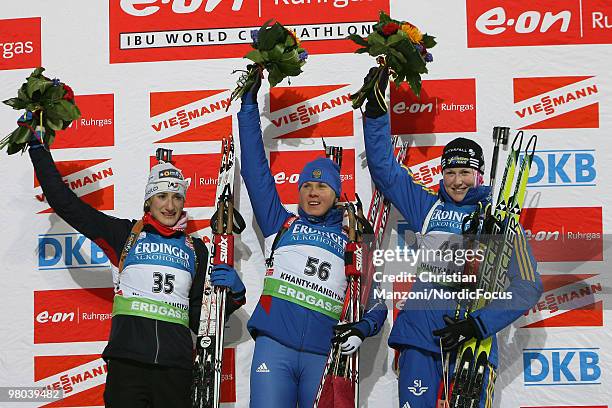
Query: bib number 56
(315, 267)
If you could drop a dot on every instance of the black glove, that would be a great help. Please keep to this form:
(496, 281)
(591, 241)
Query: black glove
(457, 332)
(350, 336)
(250, 96)
(376, 105)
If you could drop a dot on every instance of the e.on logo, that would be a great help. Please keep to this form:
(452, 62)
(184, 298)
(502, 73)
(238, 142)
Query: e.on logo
(287, 165)
(445, 105)
(541, 22)
(97, 121)
(550, 231)
(163, 30)
(20, 43)
(72, 315)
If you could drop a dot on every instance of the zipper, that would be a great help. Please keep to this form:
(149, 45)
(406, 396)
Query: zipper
(157, 342)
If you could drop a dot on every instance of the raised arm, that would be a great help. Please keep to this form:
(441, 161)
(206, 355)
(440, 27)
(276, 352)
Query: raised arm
(109, 233)
(255, 169)
(412, 199)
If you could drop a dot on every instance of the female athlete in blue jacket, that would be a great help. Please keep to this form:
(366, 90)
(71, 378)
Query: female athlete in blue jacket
(304, 287)
(420, 330)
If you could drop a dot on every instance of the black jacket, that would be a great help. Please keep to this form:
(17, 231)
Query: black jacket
(131, 337)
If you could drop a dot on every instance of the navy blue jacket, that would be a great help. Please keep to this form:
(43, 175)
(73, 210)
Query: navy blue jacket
(415, 323)
(288, 323)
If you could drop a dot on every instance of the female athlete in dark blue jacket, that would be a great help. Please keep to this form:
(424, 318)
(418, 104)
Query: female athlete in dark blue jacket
(304, 288)
(438, 217)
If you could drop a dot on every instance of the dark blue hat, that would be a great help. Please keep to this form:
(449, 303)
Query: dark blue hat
(322, 170)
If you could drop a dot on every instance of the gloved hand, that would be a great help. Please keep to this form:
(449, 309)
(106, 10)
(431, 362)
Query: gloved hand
(350, 336)
(376, 105)
(456, 332)
(36, 135)
(225, 275)
(250, 97)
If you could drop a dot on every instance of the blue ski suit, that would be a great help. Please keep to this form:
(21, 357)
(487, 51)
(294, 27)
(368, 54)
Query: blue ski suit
(294, 319)
(428, 212)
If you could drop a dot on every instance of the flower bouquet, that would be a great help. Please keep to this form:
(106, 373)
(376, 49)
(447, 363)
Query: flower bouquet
(277, 50)
(49, 106)
(401, 48)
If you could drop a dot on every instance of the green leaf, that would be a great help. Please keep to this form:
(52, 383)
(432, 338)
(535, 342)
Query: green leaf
(396, 38)
(276, 53)
(21, 135)
(54, 93)
(384, 18)
(414, 80)
(377, 49)
(16, 148)
(37, 84)
(271, 36)
(429, 41)
(359, 40)
(414, 61)
(275, 76)
(16, 103)
(255, 56)
(401, 60)
(37, 72)
(375, 38)
(21, 93)
(290, 41)
(66, 110)
(57, 124)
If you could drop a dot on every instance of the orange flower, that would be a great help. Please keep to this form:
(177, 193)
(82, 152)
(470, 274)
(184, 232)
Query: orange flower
(412, 32)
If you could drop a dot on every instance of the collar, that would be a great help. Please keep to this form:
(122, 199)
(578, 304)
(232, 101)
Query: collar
(474, 195)
(332, 218)
(164, 230)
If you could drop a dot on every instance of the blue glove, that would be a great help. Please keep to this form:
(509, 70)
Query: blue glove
(225, 275)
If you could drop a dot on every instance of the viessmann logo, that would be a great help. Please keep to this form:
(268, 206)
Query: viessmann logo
(20, 43)
(287, 165)
(424, 162)
(97, 121)
(91, 180)
(311, 111)
(567, 301)
(72, 315)
(162, 30)
(510, 23)
(80, 377)
(445, 106)
(550, 231)
(556, 102)
(191, 116)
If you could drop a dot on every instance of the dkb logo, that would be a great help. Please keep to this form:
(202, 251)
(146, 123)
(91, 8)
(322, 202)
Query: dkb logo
(69, 251)
(563, 168)
(561, 366)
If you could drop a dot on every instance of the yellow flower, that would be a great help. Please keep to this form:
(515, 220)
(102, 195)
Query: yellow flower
(412, 32)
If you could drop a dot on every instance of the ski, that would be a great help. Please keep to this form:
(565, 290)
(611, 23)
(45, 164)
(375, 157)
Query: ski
(502, 221)
(224, 223)
(339, 386)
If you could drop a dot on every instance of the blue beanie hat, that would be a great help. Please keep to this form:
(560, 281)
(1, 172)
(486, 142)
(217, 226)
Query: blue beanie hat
(322, 170)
